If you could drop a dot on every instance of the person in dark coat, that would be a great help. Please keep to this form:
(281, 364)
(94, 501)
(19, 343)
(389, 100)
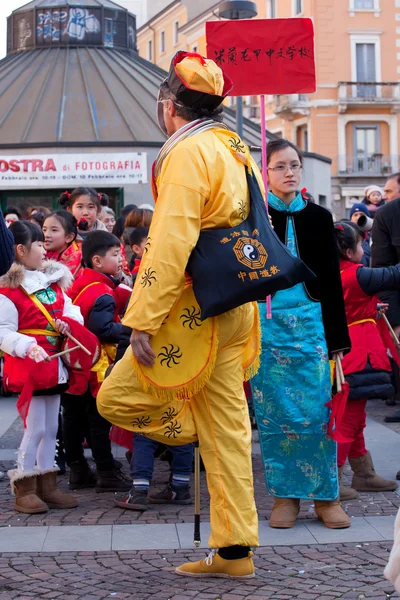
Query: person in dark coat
(367, 367)
(6, 247)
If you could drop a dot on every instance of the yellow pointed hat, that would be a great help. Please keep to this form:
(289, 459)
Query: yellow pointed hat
(198, 82)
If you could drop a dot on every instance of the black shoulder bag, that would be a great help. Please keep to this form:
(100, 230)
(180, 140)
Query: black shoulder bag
(233, 266)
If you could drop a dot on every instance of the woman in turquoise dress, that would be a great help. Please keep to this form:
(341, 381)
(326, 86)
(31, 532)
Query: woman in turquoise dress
(308, 327)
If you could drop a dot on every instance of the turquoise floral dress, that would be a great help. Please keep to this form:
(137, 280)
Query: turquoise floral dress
(291, 390)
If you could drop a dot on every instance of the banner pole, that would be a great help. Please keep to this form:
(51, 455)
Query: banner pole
(264, 173)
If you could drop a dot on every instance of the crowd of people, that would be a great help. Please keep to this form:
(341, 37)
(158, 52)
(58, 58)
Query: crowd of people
(106, 306)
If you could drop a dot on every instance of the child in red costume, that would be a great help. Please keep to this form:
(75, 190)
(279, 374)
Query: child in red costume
(367, 367)
(97, 293)
(31, 290)
(138, 241)
(86, 206)
(60, 231)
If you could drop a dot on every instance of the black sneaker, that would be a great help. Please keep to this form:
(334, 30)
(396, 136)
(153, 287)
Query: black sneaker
(81, 476)
(133, 500)
(172, 495)
(112, 481)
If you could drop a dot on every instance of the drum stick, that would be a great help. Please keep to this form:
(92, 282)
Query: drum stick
(391, 330)
(338, 374)
(53, 356)
(71, 337)
(197, 539)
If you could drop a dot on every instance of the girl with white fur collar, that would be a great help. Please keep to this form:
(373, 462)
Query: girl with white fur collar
(30, 290)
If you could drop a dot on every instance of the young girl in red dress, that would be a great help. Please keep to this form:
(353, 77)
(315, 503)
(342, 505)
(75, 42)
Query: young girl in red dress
(367, 367)
(34, 313)
(60, 231)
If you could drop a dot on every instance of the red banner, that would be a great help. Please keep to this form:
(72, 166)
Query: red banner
(264, 56)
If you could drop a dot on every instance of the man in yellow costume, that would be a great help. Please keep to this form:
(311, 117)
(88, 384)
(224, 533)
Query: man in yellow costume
(182, 378)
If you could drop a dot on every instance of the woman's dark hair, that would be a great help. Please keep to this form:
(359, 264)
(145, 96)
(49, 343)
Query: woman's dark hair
(279, 144)
(37, 218)
(97, 243)
(139, 217)
(119, 227)
(127, 209)
(347, 237)
(25, 233)
(66, 220)
(67, 199)
(13, 210)
(187, 113)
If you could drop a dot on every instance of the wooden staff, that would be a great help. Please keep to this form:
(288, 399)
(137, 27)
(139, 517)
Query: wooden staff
(77, 342)
(197, 539)
(53, 356)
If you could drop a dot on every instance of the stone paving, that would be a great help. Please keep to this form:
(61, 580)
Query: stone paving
(325, 572)
(320, 571)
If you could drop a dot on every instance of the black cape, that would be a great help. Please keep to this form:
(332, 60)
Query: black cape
(316, 246)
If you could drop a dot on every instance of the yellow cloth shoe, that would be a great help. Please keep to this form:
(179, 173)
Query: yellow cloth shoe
(215, 566)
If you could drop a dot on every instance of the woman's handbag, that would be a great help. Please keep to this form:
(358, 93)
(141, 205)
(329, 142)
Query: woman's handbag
(233, 266)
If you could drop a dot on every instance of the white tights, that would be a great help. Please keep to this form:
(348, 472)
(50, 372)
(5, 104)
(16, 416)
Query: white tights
(39, 442)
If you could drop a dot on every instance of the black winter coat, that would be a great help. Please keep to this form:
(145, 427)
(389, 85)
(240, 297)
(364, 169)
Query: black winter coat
(317, 248)
(385, 251)
(372, 383)
(6, 247)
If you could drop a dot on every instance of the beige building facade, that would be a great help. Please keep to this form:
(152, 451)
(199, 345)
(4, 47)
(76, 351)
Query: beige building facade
(354, 115)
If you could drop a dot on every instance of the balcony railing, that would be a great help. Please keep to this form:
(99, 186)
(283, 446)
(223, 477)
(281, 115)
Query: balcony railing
(292, 103)
(367, 164)
(360, 92)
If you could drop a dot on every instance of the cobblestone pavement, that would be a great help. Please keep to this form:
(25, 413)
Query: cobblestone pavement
(345, 571)
(99, 509)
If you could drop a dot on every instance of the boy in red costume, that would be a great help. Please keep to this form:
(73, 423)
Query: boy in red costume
(100, 300)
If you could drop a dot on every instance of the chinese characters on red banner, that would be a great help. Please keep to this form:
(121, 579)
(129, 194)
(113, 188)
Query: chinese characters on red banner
(264, 56)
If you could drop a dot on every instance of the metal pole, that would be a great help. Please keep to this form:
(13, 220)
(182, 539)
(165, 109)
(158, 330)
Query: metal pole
(196, 537)
(239, 116)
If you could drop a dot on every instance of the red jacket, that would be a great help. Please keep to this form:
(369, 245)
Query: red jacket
(100, 303)
(71, 257)
(365, 335)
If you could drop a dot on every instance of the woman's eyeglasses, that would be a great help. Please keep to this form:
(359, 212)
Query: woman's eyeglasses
(284, 168)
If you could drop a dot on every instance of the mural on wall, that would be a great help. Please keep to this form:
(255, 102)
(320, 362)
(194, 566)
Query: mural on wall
(81, 23)
(23, 31)
(48, 24)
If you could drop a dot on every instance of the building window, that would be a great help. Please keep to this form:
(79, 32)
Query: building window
(297, 7)
(150, 50)
(367, 157)
(176, 33)
(368, 5)
(366, 70)
(364, 4)
(271, 9)
(162, 42)
(302, 137)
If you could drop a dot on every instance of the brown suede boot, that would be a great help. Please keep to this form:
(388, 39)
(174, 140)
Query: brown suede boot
(332, 514)
(47, 491)
(346, 493)
(365, 479)
(284, 513)
(23, 487)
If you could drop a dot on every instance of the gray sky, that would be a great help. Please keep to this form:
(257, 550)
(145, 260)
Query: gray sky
(6, 8)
